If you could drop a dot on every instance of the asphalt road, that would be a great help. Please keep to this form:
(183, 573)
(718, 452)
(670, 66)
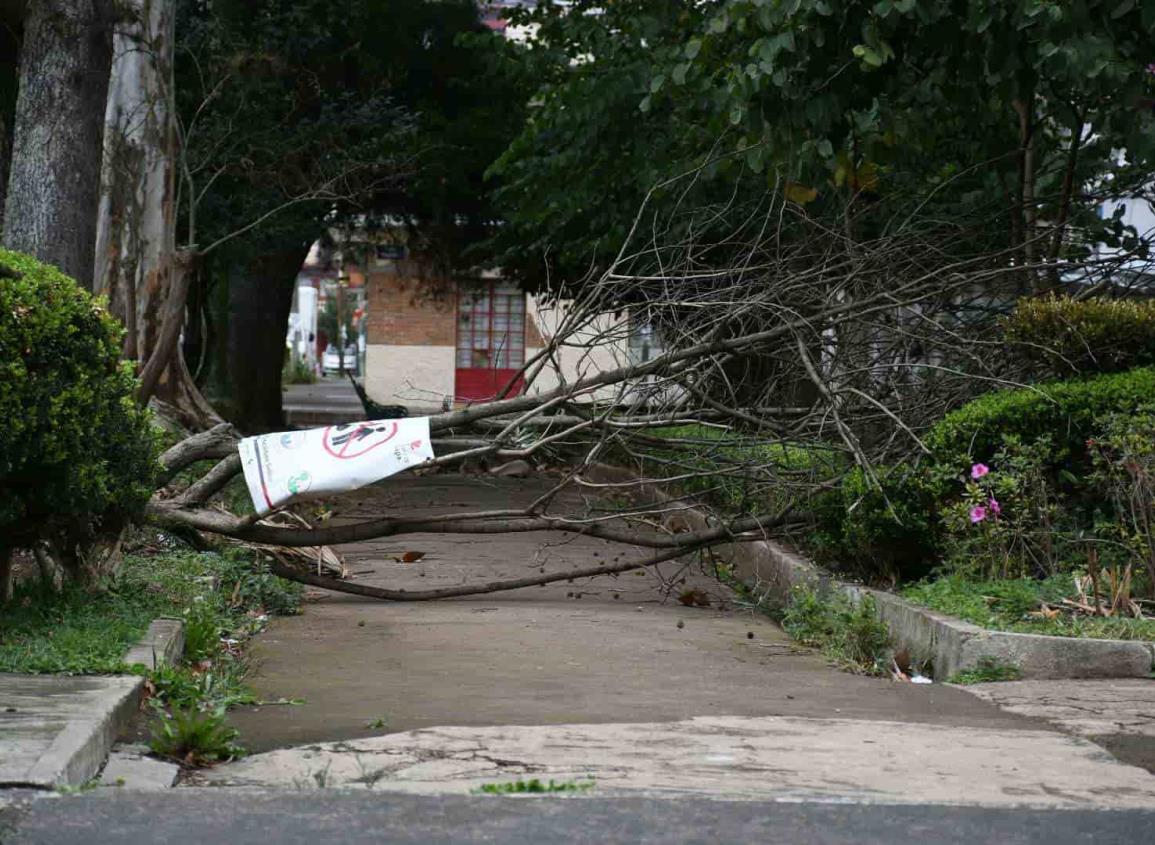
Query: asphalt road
(218, 816)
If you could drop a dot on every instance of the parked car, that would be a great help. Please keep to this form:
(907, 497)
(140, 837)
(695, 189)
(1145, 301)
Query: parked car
(331, 360)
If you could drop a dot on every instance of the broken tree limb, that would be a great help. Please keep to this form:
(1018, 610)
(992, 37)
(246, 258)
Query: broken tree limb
(213, 482)
(220, 441)
(386, 594)
(501, 522)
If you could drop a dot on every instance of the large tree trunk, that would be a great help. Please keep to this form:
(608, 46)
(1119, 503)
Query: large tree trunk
(9, 68)
(137, 264)
(50, 208)
(260, 297)
(136, 224)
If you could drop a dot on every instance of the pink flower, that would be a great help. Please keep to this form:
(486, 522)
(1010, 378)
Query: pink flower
(978, 513)
(995, 507)
(979, 470)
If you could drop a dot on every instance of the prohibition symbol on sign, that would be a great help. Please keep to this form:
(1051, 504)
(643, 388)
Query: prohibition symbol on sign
(352, 441)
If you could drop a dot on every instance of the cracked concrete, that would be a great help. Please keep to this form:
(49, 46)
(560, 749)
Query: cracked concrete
(1118, 714)
(772, 758)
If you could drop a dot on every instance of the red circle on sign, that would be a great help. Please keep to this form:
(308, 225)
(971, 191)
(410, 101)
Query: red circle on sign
(355, 447)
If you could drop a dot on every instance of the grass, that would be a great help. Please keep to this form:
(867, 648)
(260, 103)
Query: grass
(744, 473)
(847, 632)
(988, 670)
(86, 632)
(223, 598)
(1005, 605)
(535, 787)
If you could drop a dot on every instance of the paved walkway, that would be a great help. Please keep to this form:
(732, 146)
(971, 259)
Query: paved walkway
(330, 400)
(608, 650)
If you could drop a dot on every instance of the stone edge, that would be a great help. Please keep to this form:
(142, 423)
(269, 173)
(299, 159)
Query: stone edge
(82, 746)
(772, 572)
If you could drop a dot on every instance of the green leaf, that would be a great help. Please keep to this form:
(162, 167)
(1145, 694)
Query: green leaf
(736, 114)
(657, 82)
(693, 47)
(679, 73)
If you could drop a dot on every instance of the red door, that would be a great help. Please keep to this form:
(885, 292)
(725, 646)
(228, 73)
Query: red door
(490, 339)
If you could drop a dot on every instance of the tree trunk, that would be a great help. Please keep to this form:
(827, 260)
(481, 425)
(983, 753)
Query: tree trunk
(136, 224)
(136, 263)
(54, 183)
(9, 67)
(260, 297)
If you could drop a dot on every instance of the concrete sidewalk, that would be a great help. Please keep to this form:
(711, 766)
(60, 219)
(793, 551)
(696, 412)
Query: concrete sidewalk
(330, 400)
(610, 650)
(56, 730)
(758, 759)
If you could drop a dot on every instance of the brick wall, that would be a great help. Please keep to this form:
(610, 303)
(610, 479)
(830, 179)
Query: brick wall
(405, 310)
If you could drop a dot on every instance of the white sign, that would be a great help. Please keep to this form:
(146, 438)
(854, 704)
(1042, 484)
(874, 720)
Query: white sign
(293, 465)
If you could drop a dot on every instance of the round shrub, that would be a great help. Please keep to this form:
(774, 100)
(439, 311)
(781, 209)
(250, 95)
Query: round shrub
(1057, 336)
(77, 456)
(1067, 411)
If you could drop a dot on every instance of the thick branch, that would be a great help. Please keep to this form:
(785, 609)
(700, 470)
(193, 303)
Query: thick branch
(213, 481)
(469, 523)
(220, 441)
(478, 589)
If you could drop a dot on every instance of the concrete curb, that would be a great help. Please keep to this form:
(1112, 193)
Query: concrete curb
(771, 572)
(57, 731)
(162, 645)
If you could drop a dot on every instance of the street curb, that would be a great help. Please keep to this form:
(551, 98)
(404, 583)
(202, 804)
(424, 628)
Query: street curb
(81, 747)
(104, 711)
(162, 645)
(772, 572)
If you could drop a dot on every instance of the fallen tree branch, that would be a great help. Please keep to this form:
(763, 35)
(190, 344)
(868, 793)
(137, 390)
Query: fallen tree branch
(502, 522)
(213, 482)
(220, 441)
(477, 589)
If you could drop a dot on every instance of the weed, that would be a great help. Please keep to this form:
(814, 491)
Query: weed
(202, 632)
(377, 724)
(988, 669)
(1008, 604)
(194, 737)
(848, 632)
(535, 786)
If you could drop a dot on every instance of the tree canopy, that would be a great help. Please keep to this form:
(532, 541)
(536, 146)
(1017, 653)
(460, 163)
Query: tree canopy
(1023, 113)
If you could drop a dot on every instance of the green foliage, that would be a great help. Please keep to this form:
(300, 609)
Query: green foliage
(1123, 455)
(297, 371)
(1005, 605)
(883, 526)
(535, 787)
(194, 737)
(1010, 519)
(829, 102)
(1062, 336)
(77, 456)
(81, 632)
(987, 670)
(847, 631)
(734, 471)
(1065, 410)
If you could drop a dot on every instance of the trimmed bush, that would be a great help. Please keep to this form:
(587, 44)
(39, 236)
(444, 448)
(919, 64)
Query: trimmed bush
(1065, 410)
(77, 456)
(1057, 336)
(896, 530)
(889, 529)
